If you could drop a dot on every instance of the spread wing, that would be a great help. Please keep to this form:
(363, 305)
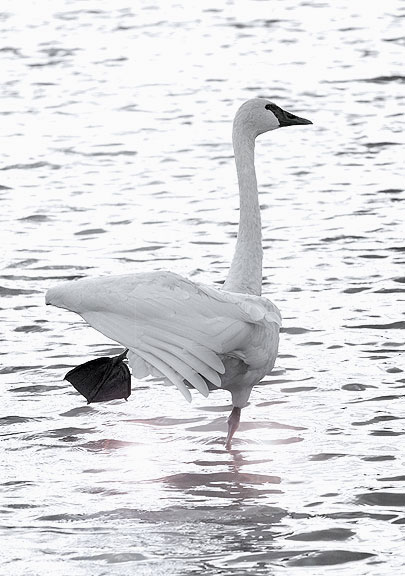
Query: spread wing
(172, 326)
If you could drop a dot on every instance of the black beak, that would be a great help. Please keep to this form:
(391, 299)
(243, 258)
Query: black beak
(288, 119)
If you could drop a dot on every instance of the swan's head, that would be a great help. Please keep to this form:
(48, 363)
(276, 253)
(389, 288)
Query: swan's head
(260, 115)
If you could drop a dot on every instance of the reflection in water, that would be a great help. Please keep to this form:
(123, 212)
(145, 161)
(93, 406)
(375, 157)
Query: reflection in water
(118, 141)
(232, 484)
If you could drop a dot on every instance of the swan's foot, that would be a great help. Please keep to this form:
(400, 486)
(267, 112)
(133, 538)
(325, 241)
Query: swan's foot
(102, 379)
(233, 424)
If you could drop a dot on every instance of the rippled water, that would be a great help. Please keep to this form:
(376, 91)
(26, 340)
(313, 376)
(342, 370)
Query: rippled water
(116, 157)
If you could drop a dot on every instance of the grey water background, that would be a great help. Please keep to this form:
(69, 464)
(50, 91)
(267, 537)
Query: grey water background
(116, 157)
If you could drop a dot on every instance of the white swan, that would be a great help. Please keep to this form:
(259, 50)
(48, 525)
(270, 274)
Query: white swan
(183, 331)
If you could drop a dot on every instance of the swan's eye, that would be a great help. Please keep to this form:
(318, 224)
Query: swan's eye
(271, 107)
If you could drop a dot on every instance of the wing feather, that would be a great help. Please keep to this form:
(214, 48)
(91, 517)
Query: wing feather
(167, 371)
(178, 365)
(197, 364)
(172, 326)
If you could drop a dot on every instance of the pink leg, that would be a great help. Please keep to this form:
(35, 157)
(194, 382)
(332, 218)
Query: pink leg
(233, 423)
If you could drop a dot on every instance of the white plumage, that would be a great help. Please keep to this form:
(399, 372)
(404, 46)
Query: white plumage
(178, 329)
(187, 332)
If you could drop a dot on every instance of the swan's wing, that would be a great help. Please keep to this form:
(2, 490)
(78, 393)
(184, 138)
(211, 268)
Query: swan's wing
(172, 327)
(259, 348)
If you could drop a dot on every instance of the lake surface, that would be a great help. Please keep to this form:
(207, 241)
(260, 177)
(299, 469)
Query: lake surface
(116, 123)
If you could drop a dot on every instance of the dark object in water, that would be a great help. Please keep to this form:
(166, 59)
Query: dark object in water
(102, 379)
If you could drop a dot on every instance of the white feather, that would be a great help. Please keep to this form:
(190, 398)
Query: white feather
(188, 332)
(172, 325)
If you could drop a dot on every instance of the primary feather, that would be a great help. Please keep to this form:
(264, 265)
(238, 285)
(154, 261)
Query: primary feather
(176, 328)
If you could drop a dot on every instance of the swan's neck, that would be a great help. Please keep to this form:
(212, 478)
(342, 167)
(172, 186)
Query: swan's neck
(245, 274)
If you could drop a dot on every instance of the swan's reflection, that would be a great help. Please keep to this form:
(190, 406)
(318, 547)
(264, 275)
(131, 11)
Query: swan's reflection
(222, 476)
(220, 493)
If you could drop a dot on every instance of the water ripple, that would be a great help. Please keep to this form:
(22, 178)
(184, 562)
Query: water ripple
(118, 158)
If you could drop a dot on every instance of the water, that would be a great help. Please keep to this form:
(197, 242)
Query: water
(117, 157)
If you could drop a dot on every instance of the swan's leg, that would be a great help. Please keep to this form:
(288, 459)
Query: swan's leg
(233, 423)
(102, 379)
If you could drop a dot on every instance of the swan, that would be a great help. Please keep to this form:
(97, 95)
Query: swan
(182, 331)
